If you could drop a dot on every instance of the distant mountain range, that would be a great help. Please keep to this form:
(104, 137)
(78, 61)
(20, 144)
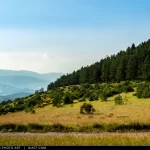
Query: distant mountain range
(14, 96)
(14, 82)
(45, 76)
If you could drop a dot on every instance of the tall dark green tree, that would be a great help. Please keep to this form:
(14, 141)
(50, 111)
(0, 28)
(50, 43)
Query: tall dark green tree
(131, 72)
(121, 70)
(106, 70)
(145, 69)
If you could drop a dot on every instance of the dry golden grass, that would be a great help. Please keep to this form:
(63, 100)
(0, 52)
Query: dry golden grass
(136, 110)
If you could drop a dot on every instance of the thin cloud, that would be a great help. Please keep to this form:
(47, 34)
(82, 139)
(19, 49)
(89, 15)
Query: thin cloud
(46, 55)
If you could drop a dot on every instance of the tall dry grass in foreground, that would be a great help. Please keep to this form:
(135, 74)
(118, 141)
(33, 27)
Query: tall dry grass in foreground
(74, 140)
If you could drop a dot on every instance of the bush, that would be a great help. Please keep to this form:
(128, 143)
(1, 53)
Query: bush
(87, 94)
(107, 91)
(57, 127)
(134, 94)
(87, 108)
(74, 88)
(143, 90)
(7, 127)
(93, 97)
(21, 128)
(86, 85)
(97, 86)
(119, 100)
(129, 89)
(67, 99)
(82, 99)
(97, 126)
(32, 111)
(103, 97)
(34, 126)
(56, 95)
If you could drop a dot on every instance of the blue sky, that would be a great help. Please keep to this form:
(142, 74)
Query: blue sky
(63, 35)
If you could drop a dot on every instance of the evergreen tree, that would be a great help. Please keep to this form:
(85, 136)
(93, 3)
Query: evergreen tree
(120, 73)
(131, 72)
(145, 69)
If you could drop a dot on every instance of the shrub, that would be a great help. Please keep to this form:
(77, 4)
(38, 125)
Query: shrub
(57, 127)
(9, 126)
(87, 94)
(143, 90)
(129, 89)
(103, 97)
(107, 91)
(32, 111)
(67, 99)
(97, 126)
(93, 97)
(82, 99)
(57, 96)
(34, 126)
(119, 100)
(31, 103)
(74, 88)
(87, 108)
(86, 85)
(134, 94)
(97, 86)
(21, 128)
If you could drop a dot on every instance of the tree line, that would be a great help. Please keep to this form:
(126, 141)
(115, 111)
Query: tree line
(130, 64)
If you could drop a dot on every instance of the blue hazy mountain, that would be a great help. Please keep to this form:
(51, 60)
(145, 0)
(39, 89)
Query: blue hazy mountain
(6, 90)
(14, 96)
(52, 76)
(23, 82)
(12, 82)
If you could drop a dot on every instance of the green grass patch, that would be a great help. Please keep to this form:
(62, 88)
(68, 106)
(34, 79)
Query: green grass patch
(96, 127)
(108, 140)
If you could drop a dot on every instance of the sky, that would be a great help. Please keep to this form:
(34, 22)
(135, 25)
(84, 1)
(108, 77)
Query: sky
(64, 35)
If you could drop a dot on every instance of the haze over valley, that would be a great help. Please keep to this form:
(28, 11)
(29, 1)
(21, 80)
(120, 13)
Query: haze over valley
(23, 83)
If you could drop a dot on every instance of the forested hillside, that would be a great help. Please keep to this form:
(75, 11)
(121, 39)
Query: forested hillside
(130, 64)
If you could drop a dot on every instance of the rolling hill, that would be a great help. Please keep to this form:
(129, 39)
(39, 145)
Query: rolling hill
(14, 96)
(52, 76)
(23, 82)
(14, 82)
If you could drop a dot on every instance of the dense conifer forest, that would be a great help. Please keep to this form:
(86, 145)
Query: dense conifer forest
(130, 64)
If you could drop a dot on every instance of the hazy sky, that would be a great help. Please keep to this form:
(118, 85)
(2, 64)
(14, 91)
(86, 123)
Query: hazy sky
(64, 35)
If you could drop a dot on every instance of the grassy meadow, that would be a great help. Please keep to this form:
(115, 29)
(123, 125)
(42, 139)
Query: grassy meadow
(68, 140)
(135, 110)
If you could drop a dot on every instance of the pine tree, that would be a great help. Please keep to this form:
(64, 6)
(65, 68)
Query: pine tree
(131, 72)
(145, 69)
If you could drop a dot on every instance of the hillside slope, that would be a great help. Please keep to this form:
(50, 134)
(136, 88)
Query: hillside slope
(131, 64)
